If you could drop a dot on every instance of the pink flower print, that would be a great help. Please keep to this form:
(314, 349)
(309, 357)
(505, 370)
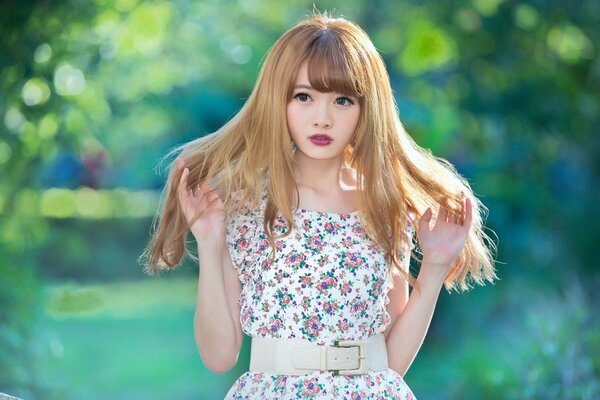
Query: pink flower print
(263, 330)
(305, 303)
(328, 227)
(280, 380)
(265, 264)
(326, 283)
(275, 325)
(343, 325)
(313, 326)
(241, 244)
(358, 230)
(358, 395)
(284, 298)
(376, 288)
(305, 281)
(346, 288)
(347, 242)
(358, 307)
(385, 319)
(279, 223)
(264, 243)
(246, 316)
(351, 260)
(322, 286)
(309, 388)
(296, 260)
(279, 244)
(324, 259)
(330, 307)
(305, 225)
(315, 243)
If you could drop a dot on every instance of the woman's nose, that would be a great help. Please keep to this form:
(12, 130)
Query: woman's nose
(322, 116)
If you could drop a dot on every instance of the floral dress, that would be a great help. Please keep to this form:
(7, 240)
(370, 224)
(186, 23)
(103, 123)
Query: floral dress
(329, 282)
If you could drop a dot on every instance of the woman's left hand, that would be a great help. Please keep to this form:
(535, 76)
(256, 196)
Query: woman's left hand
(443, 244)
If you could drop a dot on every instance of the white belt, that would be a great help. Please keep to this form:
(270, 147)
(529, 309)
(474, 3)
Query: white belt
(300, 356)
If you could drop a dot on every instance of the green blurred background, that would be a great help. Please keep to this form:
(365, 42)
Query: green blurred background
(93, 93)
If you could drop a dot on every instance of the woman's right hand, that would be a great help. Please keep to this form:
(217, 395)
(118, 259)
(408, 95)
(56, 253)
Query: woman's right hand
(200, 198)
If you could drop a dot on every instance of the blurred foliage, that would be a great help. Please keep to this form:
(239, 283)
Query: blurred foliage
(92, 93)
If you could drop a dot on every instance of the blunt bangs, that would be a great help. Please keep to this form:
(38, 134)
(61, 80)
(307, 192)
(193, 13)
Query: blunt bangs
(331, 67)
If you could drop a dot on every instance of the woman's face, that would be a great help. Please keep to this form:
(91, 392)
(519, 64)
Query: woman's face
(321, 124)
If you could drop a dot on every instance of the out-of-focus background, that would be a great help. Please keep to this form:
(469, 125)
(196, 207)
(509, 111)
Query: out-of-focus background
(93, 93)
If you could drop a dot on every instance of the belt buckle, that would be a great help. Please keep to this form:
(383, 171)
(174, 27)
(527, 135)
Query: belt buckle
(362, 356)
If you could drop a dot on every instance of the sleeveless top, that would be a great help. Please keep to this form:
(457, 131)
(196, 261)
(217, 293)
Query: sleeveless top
(328, 282)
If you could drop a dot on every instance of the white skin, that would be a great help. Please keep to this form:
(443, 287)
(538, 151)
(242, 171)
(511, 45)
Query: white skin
(317, 167)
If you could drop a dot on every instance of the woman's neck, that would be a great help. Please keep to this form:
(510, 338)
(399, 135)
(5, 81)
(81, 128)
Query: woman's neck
(325, 185)
(320, 175)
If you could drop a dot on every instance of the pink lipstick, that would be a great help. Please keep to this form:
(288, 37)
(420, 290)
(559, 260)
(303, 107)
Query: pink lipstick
(320, 139)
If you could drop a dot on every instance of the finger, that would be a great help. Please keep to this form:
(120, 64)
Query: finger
(183, 175)
(425, 219)
(463, 210)
(427, 215)
(182, 189)
(442, 215)
(468, 212)
(179, 166)
(196, 189)
(209, 192)
(179, 172)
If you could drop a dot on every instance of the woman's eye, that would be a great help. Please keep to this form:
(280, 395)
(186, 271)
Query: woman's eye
(343, 101)
(302, 97)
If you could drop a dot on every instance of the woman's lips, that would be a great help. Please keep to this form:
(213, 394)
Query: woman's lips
(320, 140)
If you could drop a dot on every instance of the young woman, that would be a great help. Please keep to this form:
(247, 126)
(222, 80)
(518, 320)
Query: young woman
(305, 208)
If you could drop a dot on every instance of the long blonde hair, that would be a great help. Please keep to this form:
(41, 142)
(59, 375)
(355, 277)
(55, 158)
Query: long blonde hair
(395, 175)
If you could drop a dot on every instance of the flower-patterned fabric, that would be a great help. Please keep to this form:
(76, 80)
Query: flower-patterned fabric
(328, 282)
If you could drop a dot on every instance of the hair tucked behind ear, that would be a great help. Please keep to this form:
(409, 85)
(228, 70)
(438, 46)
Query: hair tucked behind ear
(396, 177)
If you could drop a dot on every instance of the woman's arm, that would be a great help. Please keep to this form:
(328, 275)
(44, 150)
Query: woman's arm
(407, 333)
(440, 246)
(217, 328)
